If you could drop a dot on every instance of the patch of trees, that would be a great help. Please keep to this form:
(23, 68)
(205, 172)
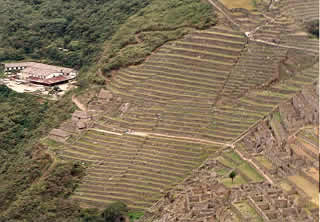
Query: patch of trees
(47, 198)
(20, 115)
(63, 32)
(114, 211)
(23, 119)
(313, 28)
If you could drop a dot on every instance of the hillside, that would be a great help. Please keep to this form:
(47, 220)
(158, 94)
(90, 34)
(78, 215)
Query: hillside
(40, 29)
(188, 92)
(76, 34)
(192, 98)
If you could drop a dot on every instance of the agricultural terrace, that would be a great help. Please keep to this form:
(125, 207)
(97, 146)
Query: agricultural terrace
(245, 173)
(247, 4)
(188, 100)
(306, 146)
(302, 11)
(136, 170)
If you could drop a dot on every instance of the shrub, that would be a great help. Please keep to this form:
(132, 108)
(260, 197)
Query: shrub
(114, 210)
(313, 28)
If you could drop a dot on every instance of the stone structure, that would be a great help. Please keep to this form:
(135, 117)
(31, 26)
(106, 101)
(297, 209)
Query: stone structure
(59, 135)
(81, 119)
(41, 73)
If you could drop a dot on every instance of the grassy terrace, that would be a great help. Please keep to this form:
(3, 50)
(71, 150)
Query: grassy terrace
(247, 211)
(303, 184)
(305, 11)
(250, 72)
(130, 168)
(246, 173)
(200, 86)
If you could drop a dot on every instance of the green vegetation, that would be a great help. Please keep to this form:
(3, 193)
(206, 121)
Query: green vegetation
(135, 215)
(264, 162)
(236, 182)
(46, 199)
(250, 172)
(112, 212)
(24, 118)
(242, 172)
(68, 33)
(247, 210)
(232, 175)
(75, 34)
(313, 28)
(1, 71)
(161, 21)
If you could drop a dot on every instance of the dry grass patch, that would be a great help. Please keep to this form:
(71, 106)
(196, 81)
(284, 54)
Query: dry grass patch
(313, 172)
(247, 4)
(264, 162)
(310, 189)
(285, 186)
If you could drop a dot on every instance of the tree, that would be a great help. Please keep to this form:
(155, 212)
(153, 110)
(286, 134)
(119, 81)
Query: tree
(232, 175)
(313, 28)
(114, 210)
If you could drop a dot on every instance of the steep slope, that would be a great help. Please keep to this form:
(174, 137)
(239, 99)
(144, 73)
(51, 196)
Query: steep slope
(190, 99)
(72, 33)
(198, 94)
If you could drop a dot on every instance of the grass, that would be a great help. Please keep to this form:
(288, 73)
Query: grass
(247, 210)
(310, 189)
(238, 180)
(235, 157)
(159, 22)
(250, 172)
(264, 162)
(135, 215)
(222, 171)
(227, 162)
(234, 161)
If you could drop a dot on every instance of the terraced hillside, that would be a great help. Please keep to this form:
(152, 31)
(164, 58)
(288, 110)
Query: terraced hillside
(189, 100)
(134, 169)
(302, 11)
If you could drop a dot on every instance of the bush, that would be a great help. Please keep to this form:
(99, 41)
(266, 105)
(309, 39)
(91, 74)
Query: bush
(313, 28)
(114, 210)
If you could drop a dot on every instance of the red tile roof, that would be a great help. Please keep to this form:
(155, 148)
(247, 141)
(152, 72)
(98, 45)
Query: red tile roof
(49, 81)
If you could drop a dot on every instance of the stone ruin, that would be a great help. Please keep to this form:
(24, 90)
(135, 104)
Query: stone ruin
(81, 119)
(59, 135)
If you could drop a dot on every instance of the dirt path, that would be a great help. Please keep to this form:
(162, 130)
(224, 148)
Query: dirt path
(79, 104)
(105, 131)
(281, 45)
(146, 134)
(222, 11)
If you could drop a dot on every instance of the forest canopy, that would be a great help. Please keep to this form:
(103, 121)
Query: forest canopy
(64, 32)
